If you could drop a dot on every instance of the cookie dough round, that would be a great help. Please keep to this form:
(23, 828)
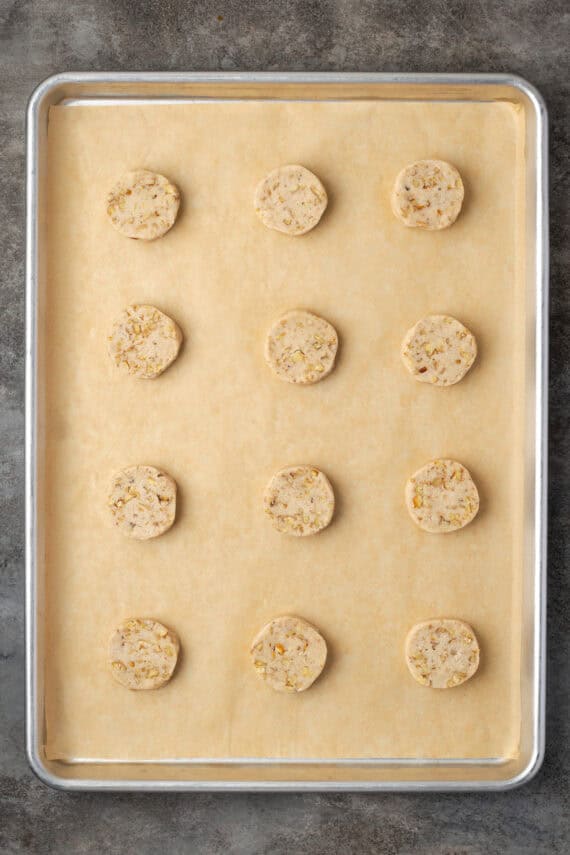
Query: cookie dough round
(442, 497)
(143, 654)
(299, 500)
(142, 501)
(428, 194)
(290, 200)
(289, 654)
(439, 350)
(442, 653)
(301, 347)
(143, 205)
(144, 341)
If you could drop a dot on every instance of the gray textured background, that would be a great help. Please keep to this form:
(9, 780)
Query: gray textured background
(40, 37)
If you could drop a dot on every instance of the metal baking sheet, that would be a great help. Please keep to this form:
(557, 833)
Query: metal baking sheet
(374, 773)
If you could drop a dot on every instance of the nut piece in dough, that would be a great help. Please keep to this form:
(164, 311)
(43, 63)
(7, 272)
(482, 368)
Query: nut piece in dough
(142, 501)
(439, 350)
(442, 496)
(290, 200)
(144, 341)
(289, 654)
(301, 347)
(299, 500)
(143, 205)
(428, 194)
(143, 654)
(442, 653)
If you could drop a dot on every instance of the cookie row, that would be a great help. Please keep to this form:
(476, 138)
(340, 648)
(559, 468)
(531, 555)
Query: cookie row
(299, 500)
(289, 654)
(427, 194)
(300, 347)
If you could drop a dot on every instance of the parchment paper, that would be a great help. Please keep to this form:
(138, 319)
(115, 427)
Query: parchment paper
(221, 424)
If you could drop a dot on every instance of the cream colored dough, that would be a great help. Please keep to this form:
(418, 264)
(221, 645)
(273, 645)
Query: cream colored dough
(442, 653)
(289, 654)
(142, 501)
(144, 341)
(143, 654)
(301, 347)
(442, 497)
(428, 194)
(143, 205)
(290, 200)
(299, 500)
(439, 350)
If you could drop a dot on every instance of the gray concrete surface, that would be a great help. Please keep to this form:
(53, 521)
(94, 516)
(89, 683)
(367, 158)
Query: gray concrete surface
(40, 37)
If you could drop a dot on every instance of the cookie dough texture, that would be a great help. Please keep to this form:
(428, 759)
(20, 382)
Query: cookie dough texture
(143, 205)
(144, 341)
(428, 194)
(290, 200)
(301, 347)
(299, 500)
(143, 654)
(289, 654)
(439, 350)
(442, 653)
(441, 496)
(142, 501)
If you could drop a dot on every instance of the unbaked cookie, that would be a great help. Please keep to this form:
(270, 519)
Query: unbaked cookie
(301, 347)
(289, 654)
(144, 341)
(439, 350)
(290, 200)
(143, 654)
(428, 194)
(142, 501)
(441, 496)
(143, 205)
(299, 500)
(442, 653)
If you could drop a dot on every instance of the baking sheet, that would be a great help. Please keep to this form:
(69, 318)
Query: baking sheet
(220, 424)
